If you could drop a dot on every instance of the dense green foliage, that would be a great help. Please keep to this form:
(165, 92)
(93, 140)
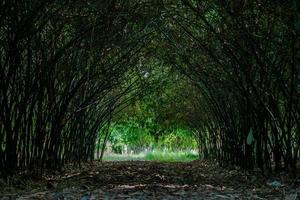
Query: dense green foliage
(138, 138)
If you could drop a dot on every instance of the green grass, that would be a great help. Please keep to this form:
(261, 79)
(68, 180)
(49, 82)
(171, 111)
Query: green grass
(165, 156)
(156, 155)
(120, 157)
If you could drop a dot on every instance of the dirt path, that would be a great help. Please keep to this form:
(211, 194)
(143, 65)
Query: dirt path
(153, 180)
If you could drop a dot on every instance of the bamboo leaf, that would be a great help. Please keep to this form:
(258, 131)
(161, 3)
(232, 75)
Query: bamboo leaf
(250, 137)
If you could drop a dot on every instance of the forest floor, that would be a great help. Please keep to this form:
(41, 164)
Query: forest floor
(152, 180)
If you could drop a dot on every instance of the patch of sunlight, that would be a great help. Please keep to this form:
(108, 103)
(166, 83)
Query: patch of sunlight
(123, 157)
(155, 155)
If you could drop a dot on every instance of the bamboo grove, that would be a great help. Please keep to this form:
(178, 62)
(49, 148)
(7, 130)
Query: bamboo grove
(63, 65)
(243, 56)
(68, 67)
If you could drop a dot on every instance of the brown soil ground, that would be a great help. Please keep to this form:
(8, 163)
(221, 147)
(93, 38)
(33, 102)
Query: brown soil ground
(151, 180)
